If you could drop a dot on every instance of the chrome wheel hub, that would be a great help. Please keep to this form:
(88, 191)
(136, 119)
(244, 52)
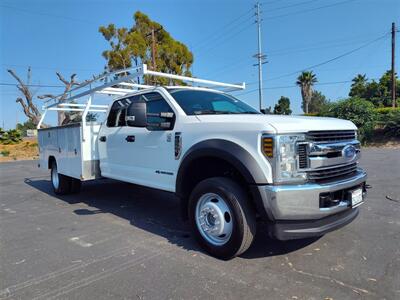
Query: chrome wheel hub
(214, 219)
(54, 177)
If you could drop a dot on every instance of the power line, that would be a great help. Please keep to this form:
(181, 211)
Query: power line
(217, 33)
(310, 49)
(33, 85)
(285, 51)
(309, 10)
(293, 86)
(230, 66)
(332, 42)
(330, 60)
(290, 6)
(47, 15)
(49, 68)
(226, 35)
(216, 36)
(271, 2)
(215, 45)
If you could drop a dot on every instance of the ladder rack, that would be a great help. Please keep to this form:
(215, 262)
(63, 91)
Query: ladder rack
(120, 83)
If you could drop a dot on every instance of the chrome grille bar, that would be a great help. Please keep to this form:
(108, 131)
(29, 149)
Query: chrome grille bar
(331, 172)
(331, 135)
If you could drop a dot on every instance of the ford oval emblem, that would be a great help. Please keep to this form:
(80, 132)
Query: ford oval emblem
(349, 151)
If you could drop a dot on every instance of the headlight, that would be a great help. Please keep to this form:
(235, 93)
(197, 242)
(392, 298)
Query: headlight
(285, 163)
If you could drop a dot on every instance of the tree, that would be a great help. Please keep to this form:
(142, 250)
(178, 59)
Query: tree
(283, 107)
(62, 115)
(306, 80)
(359, 86)
(25, 126)
(377, 92)
(318, 102)
(29, 108)
(144, 41)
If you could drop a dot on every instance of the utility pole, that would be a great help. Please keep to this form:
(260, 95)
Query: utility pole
(153, 46)
(393, 66)
(260, 57)
(153, 49)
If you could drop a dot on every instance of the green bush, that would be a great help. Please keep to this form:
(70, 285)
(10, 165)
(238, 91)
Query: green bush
(384, 113)
(361, 112)
(391, 123)
(12, 136)
(5, 152)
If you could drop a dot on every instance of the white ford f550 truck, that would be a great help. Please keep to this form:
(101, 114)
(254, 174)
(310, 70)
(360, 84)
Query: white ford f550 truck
(228, 163)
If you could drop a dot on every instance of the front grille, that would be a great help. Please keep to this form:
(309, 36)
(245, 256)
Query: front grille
(331, 135)
(331, 172)
(302, 152)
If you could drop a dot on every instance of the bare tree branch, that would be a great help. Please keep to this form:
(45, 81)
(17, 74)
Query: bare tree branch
(27, 112)
(28, 106)
(46, 96)
(62, 78)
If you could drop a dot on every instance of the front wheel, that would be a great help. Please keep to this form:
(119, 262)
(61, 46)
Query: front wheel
(221, 217)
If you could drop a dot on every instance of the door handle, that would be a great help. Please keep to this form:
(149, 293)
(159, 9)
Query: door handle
(130, 138)
(103, 138)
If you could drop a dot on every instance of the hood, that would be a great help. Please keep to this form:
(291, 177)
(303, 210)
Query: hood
(283, 124)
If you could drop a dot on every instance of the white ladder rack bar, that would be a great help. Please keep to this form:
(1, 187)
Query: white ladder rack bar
(195, 80)
(133, 74)
(110, 85)
(138, 73)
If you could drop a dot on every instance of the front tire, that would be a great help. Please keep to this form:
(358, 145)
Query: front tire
(61, 183)
(221, 217)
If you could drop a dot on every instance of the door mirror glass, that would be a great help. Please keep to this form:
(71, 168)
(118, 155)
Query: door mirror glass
(136, 114)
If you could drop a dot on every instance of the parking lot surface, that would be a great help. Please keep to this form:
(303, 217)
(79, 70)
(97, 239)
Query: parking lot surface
(117, 240)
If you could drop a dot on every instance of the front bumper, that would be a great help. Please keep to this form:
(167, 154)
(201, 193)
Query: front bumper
(289, 230)
(296, 211)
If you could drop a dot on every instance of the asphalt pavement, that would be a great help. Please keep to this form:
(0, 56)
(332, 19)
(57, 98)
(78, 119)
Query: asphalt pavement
(121, 241)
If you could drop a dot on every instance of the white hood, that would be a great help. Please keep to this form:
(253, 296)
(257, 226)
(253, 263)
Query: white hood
(283, 124)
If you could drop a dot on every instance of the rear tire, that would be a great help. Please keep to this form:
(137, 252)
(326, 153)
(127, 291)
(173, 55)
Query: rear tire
(61, 183)
(222, 219)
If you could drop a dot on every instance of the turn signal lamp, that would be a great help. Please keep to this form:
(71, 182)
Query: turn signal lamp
(268, 146)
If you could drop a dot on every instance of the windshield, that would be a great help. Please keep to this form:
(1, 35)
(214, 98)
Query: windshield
(209, 103)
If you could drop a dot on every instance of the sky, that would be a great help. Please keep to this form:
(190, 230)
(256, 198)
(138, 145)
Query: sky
(337, 39)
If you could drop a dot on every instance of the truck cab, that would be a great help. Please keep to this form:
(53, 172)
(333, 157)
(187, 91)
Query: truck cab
(228, 164)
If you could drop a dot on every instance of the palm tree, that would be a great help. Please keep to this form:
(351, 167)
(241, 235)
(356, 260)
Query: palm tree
(306, 81)
(359, 79)
(358, 86)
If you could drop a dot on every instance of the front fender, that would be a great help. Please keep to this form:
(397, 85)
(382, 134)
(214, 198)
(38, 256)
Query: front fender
(230, 152)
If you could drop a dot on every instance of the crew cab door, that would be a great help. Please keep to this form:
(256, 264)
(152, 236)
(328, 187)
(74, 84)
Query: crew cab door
(143, 156)
(109, 140)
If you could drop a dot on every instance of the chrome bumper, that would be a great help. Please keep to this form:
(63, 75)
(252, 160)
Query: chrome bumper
(302, 202)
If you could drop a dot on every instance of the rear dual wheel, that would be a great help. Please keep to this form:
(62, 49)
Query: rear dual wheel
(221, 217)
(62, 184)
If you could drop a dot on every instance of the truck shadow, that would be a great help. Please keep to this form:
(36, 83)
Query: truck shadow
(157, 212)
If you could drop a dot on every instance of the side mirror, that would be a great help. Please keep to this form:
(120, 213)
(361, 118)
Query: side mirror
(136, 114)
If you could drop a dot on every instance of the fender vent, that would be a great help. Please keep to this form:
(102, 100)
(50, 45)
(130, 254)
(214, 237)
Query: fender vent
(178, 144)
